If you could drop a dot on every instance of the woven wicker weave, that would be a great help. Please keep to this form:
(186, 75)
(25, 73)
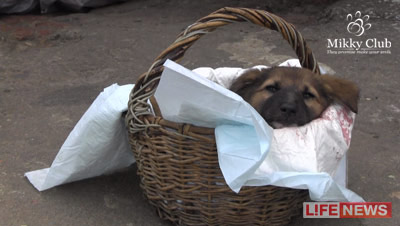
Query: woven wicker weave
(178, 163)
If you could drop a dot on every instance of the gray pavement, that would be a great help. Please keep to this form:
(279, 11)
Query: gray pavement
(53, 66)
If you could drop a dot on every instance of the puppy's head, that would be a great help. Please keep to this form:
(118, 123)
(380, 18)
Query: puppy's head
(288, 96)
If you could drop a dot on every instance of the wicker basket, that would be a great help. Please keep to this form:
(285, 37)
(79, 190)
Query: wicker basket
(178, 163)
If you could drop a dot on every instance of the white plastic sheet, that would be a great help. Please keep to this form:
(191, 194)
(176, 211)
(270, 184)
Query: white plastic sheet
(97, 145)
(243, 136)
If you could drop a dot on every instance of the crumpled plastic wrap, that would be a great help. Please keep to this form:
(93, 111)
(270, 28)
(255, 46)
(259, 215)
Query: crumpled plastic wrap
(18, 6)
(97, 145)
(46, 6)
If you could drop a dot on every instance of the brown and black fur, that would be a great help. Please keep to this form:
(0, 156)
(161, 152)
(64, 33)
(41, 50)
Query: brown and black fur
(289, 96)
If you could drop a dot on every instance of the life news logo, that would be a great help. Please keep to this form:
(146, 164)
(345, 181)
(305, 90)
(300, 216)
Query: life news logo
(347, 210)
(357, 26)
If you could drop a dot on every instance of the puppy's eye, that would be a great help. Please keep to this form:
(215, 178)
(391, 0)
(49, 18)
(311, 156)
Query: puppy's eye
(272, 88)
(308, 95)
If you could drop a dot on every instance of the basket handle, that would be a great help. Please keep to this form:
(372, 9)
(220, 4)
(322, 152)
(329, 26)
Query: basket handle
(147, 83)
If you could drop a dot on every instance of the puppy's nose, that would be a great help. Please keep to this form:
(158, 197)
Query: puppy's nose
(288, 108)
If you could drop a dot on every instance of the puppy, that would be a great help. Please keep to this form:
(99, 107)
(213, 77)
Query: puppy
(289, 96)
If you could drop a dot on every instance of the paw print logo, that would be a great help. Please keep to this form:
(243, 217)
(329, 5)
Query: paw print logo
(359, 25)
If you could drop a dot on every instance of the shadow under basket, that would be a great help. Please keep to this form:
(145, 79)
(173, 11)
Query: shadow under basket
(178, 163)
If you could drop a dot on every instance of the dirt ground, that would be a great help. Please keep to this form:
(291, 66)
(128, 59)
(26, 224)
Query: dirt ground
(53, 66)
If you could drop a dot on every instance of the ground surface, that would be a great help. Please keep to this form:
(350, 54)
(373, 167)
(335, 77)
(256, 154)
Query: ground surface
(52, 67)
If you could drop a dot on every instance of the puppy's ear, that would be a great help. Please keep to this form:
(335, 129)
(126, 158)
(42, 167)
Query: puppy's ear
(247, 81)
(343, 91)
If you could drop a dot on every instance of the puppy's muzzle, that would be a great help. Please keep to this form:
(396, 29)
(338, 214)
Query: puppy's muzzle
(286, 108)
(289, 103)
